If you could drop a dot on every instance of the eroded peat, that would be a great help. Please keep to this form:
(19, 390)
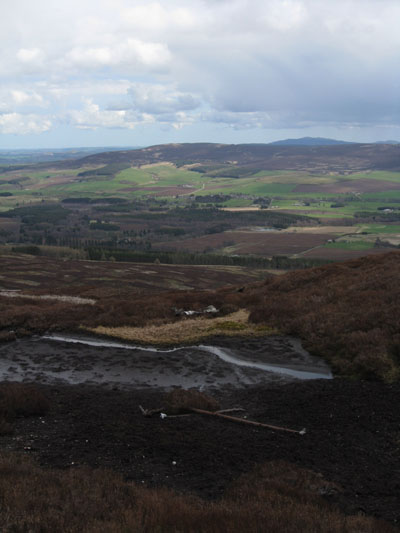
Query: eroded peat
(356, 449)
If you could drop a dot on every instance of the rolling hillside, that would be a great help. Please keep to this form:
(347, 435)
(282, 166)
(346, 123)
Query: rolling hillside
(342, 157)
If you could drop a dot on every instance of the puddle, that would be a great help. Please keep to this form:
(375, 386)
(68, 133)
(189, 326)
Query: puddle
(78, 360)
(289, 371)
(107, 344)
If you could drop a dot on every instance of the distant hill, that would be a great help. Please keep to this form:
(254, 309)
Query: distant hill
(341, 158)
(309, 141)
(42, 155)
(320, 141)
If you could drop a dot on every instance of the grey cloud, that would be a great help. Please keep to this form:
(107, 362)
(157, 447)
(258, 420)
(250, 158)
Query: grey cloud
(241, 120)
(158, 100)
(244, 63)
(312, 87)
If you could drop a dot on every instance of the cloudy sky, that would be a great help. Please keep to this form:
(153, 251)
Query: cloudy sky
(136, 72)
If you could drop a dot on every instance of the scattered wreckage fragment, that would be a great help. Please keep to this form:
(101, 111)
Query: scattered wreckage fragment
(210, 310)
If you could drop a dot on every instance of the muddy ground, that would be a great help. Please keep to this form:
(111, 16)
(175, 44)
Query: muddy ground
(214, 363)
(353, 437)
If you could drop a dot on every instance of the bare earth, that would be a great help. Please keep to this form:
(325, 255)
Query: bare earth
(100, 425)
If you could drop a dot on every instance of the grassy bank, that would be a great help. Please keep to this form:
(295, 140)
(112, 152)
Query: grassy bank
(191, 330)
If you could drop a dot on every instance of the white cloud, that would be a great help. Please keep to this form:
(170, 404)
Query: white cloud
(241, 63)
(155, 17)
(92, 117)
(182, 119)
(22, 98)
(30, 61)
(129, 54)
(69, 90)
(30, 55)
(285, 15)
(159, 99)
(19, 124)
(239, 120)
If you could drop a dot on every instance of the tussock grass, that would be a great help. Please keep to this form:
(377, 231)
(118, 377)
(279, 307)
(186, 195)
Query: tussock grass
(277, 498)
(188, 330)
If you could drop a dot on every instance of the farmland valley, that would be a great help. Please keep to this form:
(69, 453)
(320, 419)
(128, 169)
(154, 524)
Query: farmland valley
(189, 331)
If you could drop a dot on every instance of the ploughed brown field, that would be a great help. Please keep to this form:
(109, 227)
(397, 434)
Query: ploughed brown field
(267, 243)
(340, 254)
(362, 185)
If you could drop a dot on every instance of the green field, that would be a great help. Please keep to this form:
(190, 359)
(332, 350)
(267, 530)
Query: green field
(180, 184)
(138, 206)
(377, 175)
(380, 228)
(350, 245)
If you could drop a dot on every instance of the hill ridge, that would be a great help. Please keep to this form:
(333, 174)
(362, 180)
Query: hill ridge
(338, 157)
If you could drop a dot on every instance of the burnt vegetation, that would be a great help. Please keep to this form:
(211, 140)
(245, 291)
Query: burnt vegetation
(20, 400)
(305, 485)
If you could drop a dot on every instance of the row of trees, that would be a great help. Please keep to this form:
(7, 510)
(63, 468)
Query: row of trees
(186, 258)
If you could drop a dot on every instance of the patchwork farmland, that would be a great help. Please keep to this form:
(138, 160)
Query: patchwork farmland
(203, 202)
(119, 279)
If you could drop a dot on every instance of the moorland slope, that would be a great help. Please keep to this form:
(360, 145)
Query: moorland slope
(343, 157)
(346, 312)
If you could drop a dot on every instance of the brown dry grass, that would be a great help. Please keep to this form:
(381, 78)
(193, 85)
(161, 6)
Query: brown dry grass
(335, 230)
(189, 330)
(277, 498)
(240, 209)
(347, 313)
(92, 279)
(252, 242)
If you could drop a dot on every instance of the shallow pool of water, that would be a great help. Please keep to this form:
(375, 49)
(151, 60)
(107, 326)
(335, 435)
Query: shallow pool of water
(78, 360)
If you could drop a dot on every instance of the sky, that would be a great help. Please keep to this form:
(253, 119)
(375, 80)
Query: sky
(139, 73)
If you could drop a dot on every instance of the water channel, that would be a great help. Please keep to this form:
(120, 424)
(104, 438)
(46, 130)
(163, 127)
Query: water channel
(89, 360)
